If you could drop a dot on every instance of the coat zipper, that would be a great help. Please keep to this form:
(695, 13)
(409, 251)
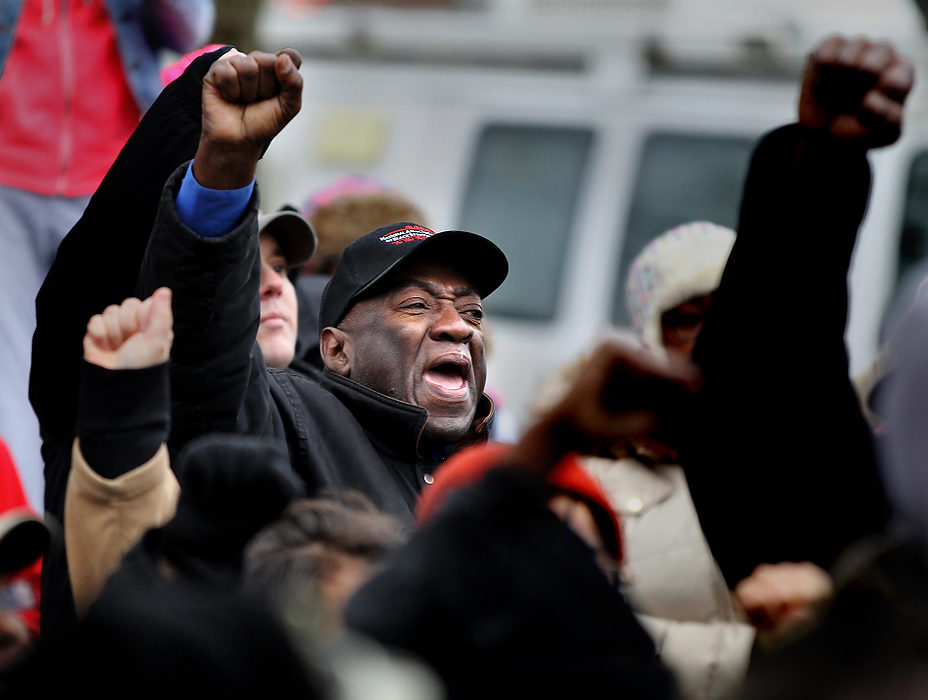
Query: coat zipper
(67, 74)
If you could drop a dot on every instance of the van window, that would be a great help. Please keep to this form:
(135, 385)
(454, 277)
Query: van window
(522, 194)
(681, 178)
(913, 243)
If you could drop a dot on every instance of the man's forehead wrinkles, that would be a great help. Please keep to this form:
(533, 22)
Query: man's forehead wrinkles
(432, 287)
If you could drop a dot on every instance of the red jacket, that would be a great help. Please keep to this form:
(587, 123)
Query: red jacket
(12, 496)
(65, 104)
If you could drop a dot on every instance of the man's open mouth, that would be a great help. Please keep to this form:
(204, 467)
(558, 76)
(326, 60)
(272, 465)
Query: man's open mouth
(450, 377)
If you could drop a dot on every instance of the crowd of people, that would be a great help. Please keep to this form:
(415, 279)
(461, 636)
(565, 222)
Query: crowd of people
(264, 481)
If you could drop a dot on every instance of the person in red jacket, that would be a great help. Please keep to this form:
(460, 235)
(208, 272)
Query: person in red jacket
(23, 538)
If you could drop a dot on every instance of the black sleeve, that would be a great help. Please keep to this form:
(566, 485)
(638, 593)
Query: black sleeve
(98, 262)
(123, 416)
(781, 465)
(218, 374)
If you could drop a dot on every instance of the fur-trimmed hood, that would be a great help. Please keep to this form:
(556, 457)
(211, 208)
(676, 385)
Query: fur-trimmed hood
(684, 262)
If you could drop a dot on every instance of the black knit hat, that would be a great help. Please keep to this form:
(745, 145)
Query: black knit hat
(231, 487)
(369, 259)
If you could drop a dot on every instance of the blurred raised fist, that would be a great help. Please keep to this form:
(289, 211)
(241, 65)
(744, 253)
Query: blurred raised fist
(622, 393)
(134, 335)
(854, 90)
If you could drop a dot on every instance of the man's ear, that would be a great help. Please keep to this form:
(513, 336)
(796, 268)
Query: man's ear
(334, 346)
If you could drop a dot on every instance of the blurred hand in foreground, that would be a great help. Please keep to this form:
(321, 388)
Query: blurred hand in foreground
(623, 392)
(781, 598)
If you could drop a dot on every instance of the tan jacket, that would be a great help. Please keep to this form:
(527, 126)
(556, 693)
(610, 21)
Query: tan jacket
(672, 580)
(104, 518)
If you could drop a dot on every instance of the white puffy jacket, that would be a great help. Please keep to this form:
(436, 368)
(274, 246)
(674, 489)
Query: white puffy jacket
(672, 580)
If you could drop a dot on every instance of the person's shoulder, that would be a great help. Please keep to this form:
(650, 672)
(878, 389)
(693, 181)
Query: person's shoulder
(298, 388)
(292, 380)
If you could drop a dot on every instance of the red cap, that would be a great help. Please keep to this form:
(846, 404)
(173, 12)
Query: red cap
(569, 477)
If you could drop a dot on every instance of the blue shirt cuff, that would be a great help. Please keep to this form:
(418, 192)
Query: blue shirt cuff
(210, 213)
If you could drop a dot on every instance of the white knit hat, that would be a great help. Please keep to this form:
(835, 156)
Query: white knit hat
(684, 262)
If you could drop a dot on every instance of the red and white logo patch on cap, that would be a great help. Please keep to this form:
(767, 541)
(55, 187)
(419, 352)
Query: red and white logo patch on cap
(407, 234)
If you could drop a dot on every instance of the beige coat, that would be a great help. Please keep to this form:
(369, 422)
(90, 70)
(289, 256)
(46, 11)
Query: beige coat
(672, 580)
(104, 518)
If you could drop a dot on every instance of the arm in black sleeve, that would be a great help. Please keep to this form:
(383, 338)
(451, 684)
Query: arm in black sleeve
(781, 465)
(98, 262)
(123, 417)
(218, 374)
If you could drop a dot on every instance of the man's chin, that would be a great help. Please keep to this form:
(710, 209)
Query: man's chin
(449, 418)
(447, 430)
(277, 357)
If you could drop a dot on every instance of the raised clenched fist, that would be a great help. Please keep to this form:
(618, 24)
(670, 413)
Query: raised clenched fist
(853, 90)
(133, 335)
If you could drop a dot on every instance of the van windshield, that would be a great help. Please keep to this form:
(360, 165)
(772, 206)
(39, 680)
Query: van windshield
(522, 194)
(681, 178)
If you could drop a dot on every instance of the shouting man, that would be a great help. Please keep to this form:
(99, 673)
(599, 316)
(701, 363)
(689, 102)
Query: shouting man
(402, 337)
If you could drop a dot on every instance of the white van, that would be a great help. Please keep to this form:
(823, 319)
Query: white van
(571, 132)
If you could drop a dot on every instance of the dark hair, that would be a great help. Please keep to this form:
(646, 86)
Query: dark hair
(302, 546)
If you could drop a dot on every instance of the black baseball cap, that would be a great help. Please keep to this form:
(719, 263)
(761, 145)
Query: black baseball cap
(369, 259)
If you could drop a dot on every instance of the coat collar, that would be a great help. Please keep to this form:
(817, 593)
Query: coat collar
(395, 427)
